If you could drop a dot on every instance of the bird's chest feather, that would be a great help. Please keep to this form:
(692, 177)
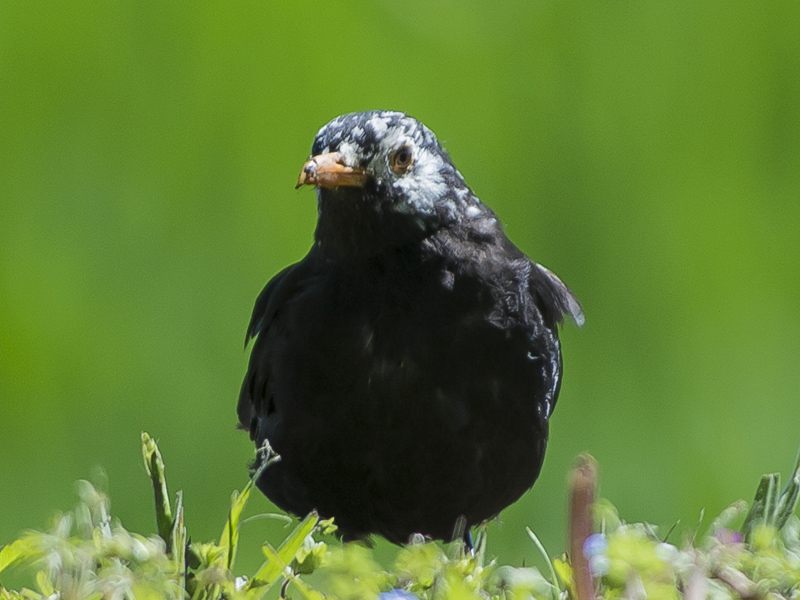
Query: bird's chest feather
(413, 347)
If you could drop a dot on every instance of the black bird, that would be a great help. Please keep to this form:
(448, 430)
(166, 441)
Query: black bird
(405, 370)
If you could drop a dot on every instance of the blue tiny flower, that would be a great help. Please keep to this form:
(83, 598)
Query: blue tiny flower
(397, 594)
(595, 544)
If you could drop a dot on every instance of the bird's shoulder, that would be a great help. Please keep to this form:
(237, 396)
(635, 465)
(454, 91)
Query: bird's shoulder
(481, 249)
(278, 290)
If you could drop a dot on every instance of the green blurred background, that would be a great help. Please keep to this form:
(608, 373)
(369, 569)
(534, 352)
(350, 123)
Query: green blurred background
(648, 152)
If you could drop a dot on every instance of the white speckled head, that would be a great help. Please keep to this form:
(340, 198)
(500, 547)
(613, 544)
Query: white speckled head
(431, 188)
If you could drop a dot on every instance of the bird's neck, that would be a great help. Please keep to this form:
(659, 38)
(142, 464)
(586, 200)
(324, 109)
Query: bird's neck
(352, 228)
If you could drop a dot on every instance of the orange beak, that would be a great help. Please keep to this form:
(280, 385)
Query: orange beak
(327, 170)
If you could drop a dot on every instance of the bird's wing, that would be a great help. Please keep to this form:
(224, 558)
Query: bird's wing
(553, 296)
(254, 396)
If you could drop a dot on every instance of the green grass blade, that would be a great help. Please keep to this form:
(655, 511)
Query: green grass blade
(553, 577)
(764, 504)
(267, 516)
(305, 591)
(178, 538)
(788, 500)
(480, 546)
(154, 465)
(278, 559)
(230, 534)
(229, 540)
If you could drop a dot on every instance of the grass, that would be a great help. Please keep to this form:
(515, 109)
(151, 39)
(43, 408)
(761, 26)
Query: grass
(88, 555)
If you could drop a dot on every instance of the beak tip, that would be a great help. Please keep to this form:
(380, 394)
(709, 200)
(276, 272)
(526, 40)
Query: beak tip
(305, 178)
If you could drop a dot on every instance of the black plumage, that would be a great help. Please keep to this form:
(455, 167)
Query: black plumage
(405, 370)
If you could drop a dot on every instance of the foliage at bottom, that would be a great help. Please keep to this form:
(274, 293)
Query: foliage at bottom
(89, 555)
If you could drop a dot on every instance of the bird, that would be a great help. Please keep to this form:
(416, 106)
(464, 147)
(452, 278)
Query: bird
(404, 372)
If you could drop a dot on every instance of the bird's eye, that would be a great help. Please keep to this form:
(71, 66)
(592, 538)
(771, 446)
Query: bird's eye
(402, 159)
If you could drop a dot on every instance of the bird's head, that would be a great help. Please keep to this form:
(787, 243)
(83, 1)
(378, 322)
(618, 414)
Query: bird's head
(382, 178)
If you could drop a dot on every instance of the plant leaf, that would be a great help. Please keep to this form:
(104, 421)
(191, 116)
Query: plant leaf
(154, 465)
(229, 540)
(19, 550)
(764, 504)
(788, 500)
(177, 547)
(278, 559)
(543, 552)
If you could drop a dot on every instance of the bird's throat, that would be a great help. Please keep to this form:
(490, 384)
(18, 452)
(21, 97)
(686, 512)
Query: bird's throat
(352, 225)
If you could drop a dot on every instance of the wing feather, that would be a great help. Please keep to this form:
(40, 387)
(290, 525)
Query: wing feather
(553, 296)
(255, 400)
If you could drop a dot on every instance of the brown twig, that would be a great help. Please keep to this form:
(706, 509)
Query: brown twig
(583, 488)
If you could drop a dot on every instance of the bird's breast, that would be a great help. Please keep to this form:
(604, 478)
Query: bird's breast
(408, 351)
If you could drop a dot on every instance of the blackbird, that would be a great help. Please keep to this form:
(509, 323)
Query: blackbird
(406, 369)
